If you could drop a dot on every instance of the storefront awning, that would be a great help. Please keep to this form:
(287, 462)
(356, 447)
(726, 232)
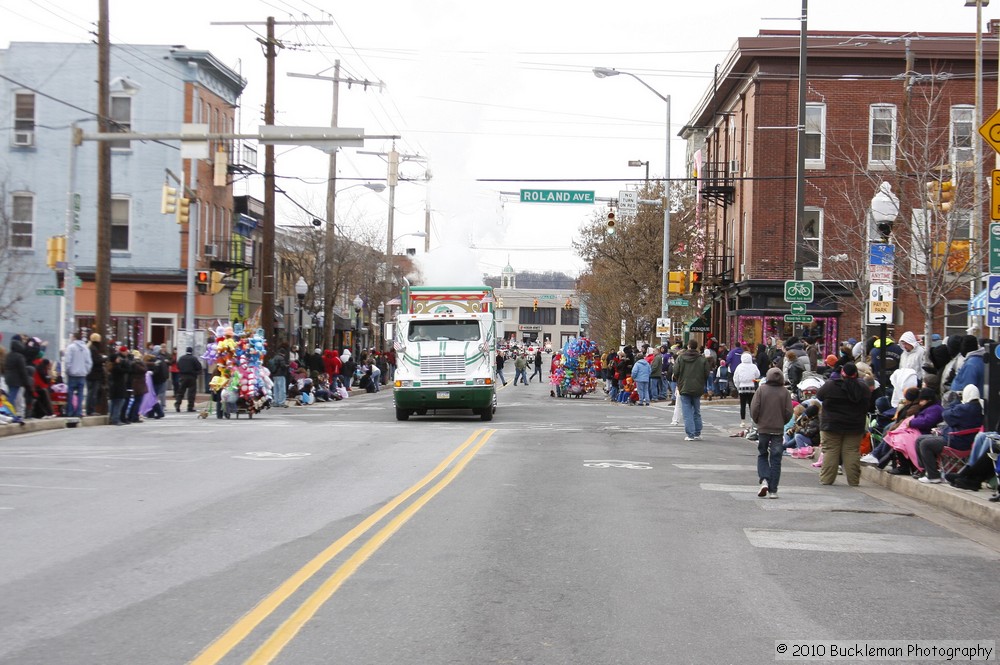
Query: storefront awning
(702, 323)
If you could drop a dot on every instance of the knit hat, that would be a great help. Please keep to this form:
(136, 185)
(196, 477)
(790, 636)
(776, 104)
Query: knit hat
(831, 360)
(850, 370)
(123, 349)
(928, 394)
(189, 350)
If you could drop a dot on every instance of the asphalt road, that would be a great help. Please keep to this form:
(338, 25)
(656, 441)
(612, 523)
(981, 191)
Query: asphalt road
(564, 531)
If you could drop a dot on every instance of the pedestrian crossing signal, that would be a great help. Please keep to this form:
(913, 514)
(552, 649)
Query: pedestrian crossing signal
(203, 279)
(695, 281)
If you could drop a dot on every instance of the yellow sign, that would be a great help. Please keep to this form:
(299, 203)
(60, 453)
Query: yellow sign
(995, 196)
(880, 307)
(991, 130)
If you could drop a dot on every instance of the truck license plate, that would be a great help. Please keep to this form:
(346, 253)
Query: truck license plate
(443, 394)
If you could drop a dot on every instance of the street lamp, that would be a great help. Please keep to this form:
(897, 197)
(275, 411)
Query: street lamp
(381, 319)
(605, 72)
(358, 304)
(885, 210)
(639, 162)
(300, 291)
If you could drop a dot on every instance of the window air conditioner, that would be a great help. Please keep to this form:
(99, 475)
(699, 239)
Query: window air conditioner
(734, 166)
(211, 251)
(24, 138)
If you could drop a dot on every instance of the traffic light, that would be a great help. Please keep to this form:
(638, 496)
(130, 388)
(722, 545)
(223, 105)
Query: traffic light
(611, 221)
(217, 284)
(695, 281)
(677, 282)
(55, 252)
(534, 307)
(168, 206)
(947, 196)
(940, 195)
(202, 278)
(183, 210)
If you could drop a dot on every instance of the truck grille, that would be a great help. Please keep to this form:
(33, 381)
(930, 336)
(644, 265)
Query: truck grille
(442, 365)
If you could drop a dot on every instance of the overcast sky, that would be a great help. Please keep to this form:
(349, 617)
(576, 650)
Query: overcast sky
(486, 91)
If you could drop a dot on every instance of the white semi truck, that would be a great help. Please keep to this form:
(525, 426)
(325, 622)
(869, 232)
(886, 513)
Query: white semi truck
(445, 342)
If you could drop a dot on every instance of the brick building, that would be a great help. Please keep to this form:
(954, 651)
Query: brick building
(880, 107)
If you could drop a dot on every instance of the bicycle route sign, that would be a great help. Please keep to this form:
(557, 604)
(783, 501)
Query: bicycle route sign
(798, 291)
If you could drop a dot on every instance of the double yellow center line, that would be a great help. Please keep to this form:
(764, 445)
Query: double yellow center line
(302, 614)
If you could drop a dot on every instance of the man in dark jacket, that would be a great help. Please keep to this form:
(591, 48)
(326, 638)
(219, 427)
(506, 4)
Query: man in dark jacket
(690, 373)
(189, 367)
(845, 400)
(96, 391)
(119, 385)
(16, 374)
(770, 408)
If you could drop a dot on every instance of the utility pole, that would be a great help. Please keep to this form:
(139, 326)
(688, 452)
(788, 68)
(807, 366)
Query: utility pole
(329, 292)
(800, 167)
(267, 250)
(102, 271)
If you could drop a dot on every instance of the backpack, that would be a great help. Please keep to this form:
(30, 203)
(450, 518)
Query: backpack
(161, 373)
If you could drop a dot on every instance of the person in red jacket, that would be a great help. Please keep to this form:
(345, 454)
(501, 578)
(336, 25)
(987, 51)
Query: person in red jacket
(331, 362)
(42, 382)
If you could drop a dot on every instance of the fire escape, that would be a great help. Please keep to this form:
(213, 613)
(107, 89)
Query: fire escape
(718, 187)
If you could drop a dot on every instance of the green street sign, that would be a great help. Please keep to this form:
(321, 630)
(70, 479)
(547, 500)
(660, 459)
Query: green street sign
(798, 291)
(49, 292)
(995, 248)
(798, 308)
(556, 196)
(798, 318)
(678, 302)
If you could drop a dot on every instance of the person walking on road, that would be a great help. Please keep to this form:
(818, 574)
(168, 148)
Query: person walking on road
(538, 366)
(500, 362)
(845, 400)
(189, 368)
(640, 374)
(691, 373)
(77, 363)
(520, 369)
(745, 380)
(770, 408)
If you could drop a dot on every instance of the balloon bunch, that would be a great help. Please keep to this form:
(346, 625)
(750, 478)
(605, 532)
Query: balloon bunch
(241, 377)
(576, 367)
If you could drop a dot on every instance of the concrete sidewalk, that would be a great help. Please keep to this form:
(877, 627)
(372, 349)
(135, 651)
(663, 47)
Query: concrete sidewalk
(201, 401)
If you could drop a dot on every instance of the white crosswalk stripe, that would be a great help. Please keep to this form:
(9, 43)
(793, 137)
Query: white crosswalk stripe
(868, 543)
(749, 468)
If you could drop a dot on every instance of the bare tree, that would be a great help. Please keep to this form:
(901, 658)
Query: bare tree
(625, 268)
(935, 257)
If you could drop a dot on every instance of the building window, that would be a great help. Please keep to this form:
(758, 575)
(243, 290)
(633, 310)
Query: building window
(810, 243)
(815, 135)
(22, 221)
(545, 316)
(24, 119)
(503, 315)
(121, 212)
(882, 133)
(121, 119)
(569, 317)
(962, 133)
(956, 318)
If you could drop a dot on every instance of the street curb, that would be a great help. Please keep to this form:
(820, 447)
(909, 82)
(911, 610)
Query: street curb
(973, 506)
(34, 425)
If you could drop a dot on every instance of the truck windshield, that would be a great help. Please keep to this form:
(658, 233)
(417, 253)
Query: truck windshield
(444, 331)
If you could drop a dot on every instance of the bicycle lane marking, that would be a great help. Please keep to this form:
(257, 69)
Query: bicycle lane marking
(287, 631)
(236, 633)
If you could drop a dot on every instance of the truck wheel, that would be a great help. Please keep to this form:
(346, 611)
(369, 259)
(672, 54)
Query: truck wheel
(486, 413)
(402, 414)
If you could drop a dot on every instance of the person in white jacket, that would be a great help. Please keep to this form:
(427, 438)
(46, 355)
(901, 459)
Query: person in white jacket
(745, 378)
(913, 354)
